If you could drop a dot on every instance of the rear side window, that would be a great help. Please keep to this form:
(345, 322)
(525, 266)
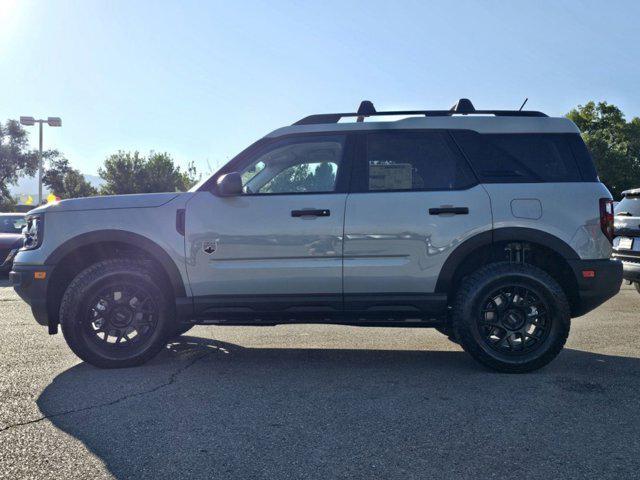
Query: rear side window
(583, 158)
(507, 158)
(415, 161)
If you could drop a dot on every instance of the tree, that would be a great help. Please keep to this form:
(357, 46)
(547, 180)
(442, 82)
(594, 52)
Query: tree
(190, 177)
(303, 177)
(292, 179)
(15, 159)
(614, 144)
(126, 172)
(65, 181)
(324, 177)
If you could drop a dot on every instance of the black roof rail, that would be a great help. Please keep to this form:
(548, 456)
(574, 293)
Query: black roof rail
(462, 107)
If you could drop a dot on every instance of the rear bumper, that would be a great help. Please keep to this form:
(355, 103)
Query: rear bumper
(631, 271)
(630, 264)
(594, 291)
(33, 291)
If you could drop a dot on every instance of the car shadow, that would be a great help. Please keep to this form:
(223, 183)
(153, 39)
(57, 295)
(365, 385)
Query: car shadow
(208, 409)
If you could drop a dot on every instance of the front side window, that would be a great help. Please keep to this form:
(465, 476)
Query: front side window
(301, 165)
(415, 161)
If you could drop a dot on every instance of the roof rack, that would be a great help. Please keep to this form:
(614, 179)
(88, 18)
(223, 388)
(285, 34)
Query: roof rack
(462, 107)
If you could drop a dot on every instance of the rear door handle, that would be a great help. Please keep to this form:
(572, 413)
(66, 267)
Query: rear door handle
(452, 210)
(311, 212)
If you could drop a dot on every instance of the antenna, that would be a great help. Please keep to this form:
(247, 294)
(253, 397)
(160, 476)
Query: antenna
(523, 104)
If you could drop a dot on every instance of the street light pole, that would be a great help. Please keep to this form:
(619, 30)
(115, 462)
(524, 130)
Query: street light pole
(52, 122)
(40, 167)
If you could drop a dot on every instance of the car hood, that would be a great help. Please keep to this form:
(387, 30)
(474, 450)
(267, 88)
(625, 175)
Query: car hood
(626, 225)
(142, 200)
(10, 240)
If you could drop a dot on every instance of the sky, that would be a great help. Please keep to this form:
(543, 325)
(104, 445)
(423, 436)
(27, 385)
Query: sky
(202, 80)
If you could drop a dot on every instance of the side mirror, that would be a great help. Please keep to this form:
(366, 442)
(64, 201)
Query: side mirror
(229, 184)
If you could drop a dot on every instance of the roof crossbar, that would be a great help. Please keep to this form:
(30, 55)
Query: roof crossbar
(462, 107)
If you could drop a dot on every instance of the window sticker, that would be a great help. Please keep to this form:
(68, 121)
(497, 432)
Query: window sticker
(390, 176)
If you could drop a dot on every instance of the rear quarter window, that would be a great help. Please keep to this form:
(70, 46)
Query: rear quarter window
(510, 158)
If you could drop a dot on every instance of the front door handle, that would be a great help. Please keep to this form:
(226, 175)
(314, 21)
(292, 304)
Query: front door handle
(451, 210)
(311, 212)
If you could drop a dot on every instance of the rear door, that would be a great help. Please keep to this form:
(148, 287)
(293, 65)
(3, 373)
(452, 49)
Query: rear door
(414, 200)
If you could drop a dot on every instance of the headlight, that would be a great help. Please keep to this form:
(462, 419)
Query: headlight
(33, 232)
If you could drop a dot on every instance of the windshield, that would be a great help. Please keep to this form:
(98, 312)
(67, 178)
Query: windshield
(12, 223)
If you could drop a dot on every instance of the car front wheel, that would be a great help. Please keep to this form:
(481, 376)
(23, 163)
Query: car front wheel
(511, 317)
(114, 314)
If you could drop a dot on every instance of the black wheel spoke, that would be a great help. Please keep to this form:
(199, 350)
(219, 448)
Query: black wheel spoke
(121, 316)
(513, 320)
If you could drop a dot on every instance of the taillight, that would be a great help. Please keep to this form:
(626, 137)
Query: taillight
(606, 217)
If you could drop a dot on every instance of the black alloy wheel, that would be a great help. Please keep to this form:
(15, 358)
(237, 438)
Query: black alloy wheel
(121, 316)
(514, 320)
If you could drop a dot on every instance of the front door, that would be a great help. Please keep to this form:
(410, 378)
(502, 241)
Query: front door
(279, 244)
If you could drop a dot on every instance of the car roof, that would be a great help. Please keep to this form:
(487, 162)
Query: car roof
(480, 124)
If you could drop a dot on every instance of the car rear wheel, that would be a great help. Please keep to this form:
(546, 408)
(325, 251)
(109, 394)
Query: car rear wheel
(511, 317)
(114, 314)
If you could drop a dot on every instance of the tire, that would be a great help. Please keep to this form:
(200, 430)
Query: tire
(447, 331)
(637, 285)
(114, 314)
(510, 317)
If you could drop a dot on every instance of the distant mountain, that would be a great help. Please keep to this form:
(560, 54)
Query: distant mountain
(28, 186)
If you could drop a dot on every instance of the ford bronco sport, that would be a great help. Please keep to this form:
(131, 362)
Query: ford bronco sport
(489, 225)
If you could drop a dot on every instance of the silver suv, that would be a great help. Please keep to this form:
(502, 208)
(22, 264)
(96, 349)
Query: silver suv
(489, 225)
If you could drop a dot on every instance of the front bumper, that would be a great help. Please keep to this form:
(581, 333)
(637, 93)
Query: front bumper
(33, 290)
(594, 290)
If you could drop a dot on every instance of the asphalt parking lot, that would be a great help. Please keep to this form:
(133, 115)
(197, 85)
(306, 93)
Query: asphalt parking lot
(321, 402)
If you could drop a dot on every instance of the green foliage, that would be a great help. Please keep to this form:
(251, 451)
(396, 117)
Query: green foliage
(303, 177)
(126, 172)
(189, 177)
(15, 159)
(324, 178)
(65, 181)
(614, 144)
